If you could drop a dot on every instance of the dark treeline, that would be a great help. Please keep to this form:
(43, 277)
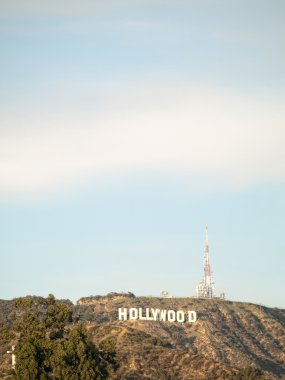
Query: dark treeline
(51, 346)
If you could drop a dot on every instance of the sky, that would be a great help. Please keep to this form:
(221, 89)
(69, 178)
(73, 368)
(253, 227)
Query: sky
(125, 128)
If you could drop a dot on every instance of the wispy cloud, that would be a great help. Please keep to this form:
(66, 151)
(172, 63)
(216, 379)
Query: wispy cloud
(158, 127)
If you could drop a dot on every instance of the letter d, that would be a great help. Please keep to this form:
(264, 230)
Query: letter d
(192, 316)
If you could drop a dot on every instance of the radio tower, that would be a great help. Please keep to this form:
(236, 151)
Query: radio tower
(205, 288)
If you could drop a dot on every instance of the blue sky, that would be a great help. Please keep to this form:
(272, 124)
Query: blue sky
(125, 127)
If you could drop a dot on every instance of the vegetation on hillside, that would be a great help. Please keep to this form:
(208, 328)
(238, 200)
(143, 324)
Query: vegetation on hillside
(50, 346)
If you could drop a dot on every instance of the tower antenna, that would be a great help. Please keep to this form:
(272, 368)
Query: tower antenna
(205, 288)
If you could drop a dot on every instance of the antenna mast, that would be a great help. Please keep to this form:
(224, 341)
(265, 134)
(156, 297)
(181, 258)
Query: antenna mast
(205, 288)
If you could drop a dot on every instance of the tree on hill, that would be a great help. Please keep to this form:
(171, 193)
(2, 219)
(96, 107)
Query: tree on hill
(32, 351)
(50, 347)
(75, 357)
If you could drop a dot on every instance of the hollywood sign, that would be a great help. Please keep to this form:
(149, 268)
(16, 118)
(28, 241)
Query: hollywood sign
(150, 314)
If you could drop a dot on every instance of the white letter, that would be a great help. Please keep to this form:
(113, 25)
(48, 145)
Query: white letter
(140, 314)
(155, 313)
(163, 315)
(192, 316)
(148, 318)
(180, 316)
(133, 313)
(171, 316)
(123, 314)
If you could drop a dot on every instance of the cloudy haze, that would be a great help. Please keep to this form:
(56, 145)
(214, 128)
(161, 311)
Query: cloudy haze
(157, 127)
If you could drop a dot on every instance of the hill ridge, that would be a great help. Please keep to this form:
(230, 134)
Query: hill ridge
(226, 336)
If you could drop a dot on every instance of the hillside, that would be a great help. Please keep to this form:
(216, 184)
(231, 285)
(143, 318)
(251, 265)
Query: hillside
(226, 336)
(230, 333)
